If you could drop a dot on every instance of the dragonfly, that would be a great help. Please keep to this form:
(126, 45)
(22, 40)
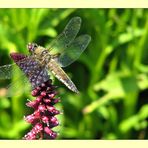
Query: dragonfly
(61, 52)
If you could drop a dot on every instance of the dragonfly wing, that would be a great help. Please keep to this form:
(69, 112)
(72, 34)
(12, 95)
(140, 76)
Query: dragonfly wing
(6, 71)
(32, 70)
(22, 85)
(73, 52)
(19, 86)
(67, 36)
(35, 72)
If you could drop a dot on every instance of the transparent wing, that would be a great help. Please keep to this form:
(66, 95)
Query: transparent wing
(6, 71)
(32, 68)
(67, 36)
(22, 84)
(73, 52)
(19, 86)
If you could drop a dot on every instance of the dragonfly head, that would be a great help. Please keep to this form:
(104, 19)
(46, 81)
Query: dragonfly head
(32, 47)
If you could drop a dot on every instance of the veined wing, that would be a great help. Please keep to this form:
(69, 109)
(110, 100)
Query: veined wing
(6, 71)
(19, 86)
(20, 83)
(36, 73)
(67, 36)
(30, 67)
(73, 52)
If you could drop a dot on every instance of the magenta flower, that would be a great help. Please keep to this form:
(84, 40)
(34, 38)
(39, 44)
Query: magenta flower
(43, 119)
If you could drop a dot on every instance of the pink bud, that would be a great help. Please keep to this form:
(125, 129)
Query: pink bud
(52, 110)
(36, 114)
(38, 128)
(39, 99)
(43, 93)
(30, 118)
(51, 133)
(30, 136)
(48, 130)
(42, 108)
(34, 104)
(47, 100)
(45, 119)
(43, 85)
(38, 88)
(52, 95)
(54, 101)
(34, 92)
(53, 119)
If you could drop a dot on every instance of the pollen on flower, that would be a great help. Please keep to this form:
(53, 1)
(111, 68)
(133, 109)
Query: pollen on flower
(43, 119)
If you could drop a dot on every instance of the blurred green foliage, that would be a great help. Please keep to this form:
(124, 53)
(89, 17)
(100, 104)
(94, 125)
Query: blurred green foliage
(111, 75)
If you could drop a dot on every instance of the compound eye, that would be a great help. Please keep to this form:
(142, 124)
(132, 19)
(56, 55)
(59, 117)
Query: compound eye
(31, 47)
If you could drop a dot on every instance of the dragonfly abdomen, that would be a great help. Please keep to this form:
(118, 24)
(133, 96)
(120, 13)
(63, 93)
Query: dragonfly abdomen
(61, 75)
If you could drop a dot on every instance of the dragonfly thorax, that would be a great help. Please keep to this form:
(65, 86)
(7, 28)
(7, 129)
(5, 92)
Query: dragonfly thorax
(39, 52)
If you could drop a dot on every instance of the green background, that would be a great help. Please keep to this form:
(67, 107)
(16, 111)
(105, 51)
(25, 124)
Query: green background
(111, 75)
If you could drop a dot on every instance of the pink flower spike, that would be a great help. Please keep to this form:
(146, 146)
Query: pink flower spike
(43, 119)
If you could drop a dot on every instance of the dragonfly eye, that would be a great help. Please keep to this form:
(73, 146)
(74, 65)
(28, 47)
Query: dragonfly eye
(31, 47)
